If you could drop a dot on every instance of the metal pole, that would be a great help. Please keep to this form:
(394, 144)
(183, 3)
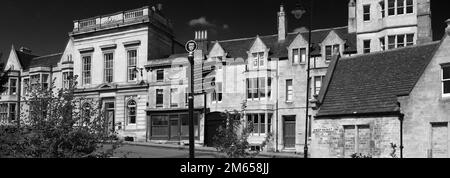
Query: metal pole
(191, 107)
(305, 151)
(402, 116)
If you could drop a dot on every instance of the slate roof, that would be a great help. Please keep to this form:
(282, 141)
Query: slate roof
(239, 47)
(46, 61)
(370, 84)
(25, 58)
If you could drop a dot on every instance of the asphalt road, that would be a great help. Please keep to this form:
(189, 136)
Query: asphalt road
(133, 151)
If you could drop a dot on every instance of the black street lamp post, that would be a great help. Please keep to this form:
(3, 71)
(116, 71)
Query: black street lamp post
(298, 13)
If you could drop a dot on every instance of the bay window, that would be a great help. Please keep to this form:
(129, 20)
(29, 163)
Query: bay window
(259, 122)
(67, 79)
(12, 86)
(256, 88)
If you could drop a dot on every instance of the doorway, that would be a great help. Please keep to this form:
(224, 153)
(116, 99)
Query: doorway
(109, 116)
(289, 131)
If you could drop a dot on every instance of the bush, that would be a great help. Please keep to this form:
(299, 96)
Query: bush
(56, 125)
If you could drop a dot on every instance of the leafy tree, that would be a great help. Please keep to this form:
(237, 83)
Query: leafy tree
(58, 124)
(232, 137)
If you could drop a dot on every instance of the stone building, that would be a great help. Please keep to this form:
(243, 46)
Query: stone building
(110, 53)
(132, 63)
(262, 71)
(389, 24)
(398, 96)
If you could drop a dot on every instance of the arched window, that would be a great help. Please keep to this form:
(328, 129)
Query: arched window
(131, 110)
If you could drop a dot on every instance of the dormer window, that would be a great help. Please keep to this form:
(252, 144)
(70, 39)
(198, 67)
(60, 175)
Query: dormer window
(329, 51)
(258, 59)
(299, 56)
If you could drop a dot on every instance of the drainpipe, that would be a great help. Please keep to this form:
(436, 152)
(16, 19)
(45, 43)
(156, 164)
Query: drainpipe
(401, 118)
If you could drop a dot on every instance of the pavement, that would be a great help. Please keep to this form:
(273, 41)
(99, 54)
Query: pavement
(181, 151)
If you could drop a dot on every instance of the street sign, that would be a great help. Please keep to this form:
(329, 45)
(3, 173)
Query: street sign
(191, 46)
(204, 77)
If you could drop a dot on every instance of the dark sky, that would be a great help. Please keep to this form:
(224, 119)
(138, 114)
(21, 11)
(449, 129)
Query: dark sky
(43, 25)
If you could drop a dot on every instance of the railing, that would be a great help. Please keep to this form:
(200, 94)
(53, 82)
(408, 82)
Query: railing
(136, 15)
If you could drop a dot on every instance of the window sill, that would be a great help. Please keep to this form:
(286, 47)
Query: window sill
(289, 102)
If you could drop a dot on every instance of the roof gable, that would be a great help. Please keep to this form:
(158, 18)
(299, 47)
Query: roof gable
(216, 50)
(258, 45)
(368, 84)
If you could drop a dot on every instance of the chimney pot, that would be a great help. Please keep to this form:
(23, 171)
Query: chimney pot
(448, 27)
(159, 6)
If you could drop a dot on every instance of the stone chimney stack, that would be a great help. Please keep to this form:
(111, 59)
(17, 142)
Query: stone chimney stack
(201, 37)
(425, 33)
(352, 17)
(282, 24)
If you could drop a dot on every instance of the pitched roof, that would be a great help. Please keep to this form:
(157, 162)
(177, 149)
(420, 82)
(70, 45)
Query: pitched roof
(46, 61)
(25, 58)
(370, 84)
(239, 47)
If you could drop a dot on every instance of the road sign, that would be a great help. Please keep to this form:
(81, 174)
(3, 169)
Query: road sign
(204, 77)
(191, 46)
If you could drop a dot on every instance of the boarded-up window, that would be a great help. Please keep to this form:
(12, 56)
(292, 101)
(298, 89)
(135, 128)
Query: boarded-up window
(357, 140)
(439, 140)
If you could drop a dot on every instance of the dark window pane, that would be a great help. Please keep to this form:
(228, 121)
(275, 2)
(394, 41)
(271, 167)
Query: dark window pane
(446, 73)
(446, 87)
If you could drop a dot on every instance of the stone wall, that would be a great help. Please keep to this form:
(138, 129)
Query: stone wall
(328, 136)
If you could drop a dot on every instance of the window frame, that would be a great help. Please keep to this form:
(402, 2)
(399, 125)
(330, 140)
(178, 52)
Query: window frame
(159, 97)
(86, 69)
(217, 94)
(366, 14)
(383, 9)
(173, 103)
(289, 90)
(160, 71)
(129, 109)
(328, 57)
(409, 6)
(10, 88)
(131, 69)
(367, 49)
(444, 80)
(401, 8)
(108, 67)
(382, 41)
(392, 8)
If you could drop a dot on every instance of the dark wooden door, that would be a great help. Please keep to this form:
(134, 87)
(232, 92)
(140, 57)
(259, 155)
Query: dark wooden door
(289, 131)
